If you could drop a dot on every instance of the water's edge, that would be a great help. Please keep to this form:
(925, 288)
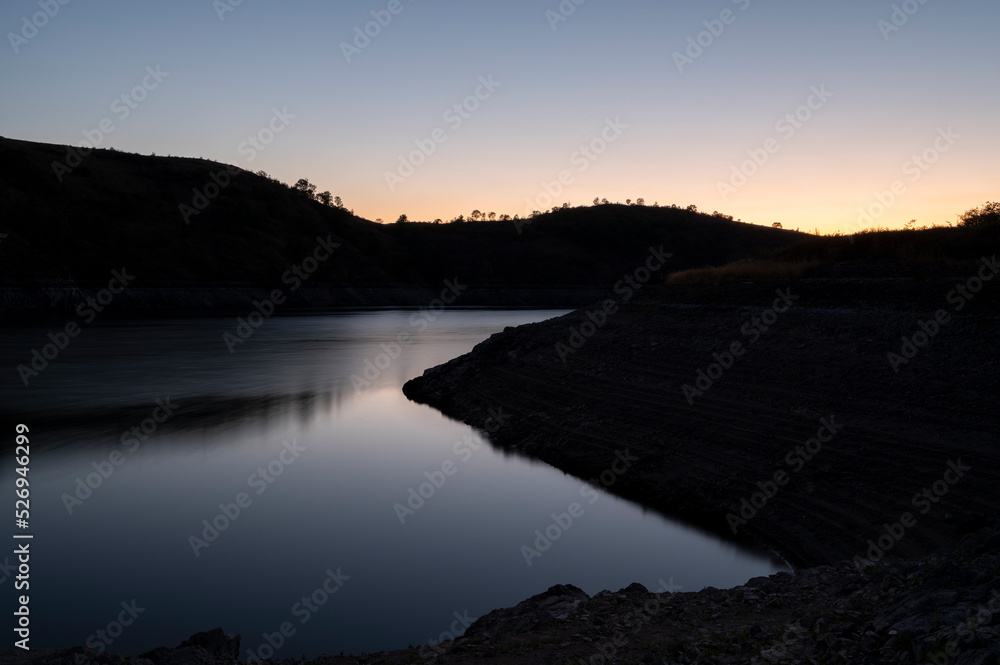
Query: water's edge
(55, 298)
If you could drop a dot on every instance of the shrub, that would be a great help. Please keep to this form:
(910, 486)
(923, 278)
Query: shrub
(989, 213)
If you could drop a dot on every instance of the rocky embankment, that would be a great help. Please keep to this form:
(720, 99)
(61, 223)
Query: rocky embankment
(852, 425)
(775, 412)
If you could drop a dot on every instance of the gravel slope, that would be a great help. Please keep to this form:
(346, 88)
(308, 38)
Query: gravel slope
(823, 360)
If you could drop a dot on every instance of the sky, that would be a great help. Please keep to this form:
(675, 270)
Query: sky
(834, 116)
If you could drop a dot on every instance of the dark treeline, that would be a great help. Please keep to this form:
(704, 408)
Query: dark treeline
(172, 219)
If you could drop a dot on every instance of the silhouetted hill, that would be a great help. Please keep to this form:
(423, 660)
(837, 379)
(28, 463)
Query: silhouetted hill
(940, 251)
(119, 209)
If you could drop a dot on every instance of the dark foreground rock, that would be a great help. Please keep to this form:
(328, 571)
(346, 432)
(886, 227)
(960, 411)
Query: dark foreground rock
(208, 648)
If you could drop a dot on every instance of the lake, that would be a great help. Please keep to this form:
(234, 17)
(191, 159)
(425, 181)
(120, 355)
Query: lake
(178, 485)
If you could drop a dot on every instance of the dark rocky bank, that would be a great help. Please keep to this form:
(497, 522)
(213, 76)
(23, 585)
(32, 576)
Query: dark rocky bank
(888, 507)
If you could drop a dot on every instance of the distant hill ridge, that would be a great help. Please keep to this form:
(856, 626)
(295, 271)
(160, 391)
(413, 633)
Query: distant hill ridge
(113, 209)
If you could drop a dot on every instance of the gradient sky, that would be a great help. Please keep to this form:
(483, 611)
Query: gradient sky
(892, 93)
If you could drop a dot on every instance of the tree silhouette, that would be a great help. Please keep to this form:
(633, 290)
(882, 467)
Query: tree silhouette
(776, 225)
(476, 215)
(640, 202)
(338, 202)
(324, 198)
(493, 216)
(402, 219)
(596, 201)
(989, 213)
(306, 188)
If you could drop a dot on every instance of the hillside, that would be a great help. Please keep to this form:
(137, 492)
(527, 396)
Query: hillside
(940, 251)
(118, 209)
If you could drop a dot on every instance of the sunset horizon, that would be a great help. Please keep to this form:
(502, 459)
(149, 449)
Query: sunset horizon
(808, 117)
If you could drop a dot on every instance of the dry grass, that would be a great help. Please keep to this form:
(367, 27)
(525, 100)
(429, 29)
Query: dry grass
(743, 271)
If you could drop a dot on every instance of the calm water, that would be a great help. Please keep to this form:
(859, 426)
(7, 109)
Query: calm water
(319, 466)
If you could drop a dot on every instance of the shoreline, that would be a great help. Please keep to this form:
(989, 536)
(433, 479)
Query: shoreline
(708, 455)
(819, 372)
(47, 299)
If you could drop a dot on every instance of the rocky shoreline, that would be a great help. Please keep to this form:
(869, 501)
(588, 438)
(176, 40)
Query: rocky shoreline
(772, 411)
(797, 433)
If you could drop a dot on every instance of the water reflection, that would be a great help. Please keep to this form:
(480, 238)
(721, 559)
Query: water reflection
(330, 506)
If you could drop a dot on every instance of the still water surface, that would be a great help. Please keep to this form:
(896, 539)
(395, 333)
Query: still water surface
(322, 469)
